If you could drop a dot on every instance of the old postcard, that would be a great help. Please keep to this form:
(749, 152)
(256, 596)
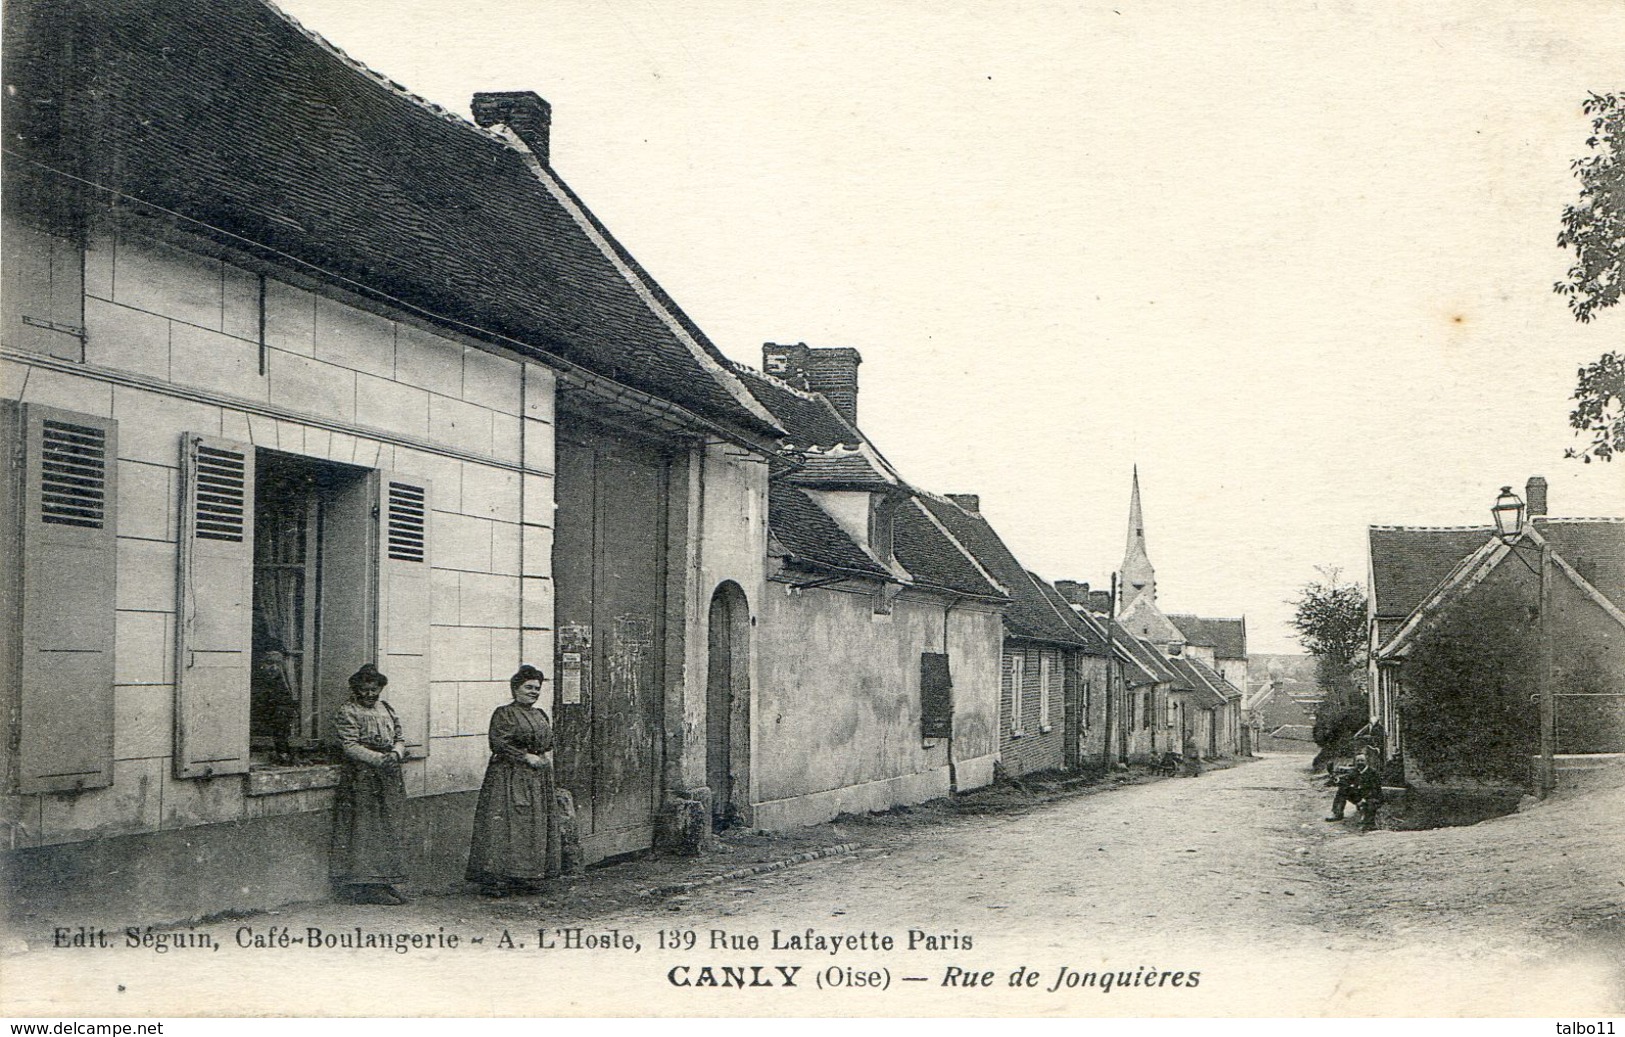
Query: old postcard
(837, 509)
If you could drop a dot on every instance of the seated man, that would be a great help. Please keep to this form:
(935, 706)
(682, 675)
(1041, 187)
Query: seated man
(1362, 785)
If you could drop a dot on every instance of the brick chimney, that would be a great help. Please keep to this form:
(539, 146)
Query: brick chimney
(1074, 592)
(788, 363)
(831, 371)
(967, 502)
(1534, 496)
(522, 111)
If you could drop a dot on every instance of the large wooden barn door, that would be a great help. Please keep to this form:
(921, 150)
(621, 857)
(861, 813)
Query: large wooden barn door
(610, 568)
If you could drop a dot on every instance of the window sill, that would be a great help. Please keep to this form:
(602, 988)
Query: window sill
(269, 781)
(1046, 729)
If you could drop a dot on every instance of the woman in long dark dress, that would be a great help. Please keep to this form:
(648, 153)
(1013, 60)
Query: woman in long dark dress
(516, 834)
(370, 810)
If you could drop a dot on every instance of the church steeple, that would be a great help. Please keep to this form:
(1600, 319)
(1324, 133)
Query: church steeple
(1135, 578)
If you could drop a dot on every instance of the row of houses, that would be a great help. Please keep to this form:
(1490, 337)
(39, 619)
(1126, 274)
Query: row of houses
(293, 359)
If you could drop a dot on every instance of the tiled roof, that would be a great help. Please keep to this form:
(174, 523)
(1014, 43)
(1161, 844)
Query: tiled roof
(1207, 691)
(934, 558)
(1409, 561)
(1592, 548)
(1087, 630)
(1216, 680)
(1596, 549)
(808, 532)
(1030, 613)
(853, 470)
(1144, 667)
(1227, 637)
(226, 115)
(808, 418)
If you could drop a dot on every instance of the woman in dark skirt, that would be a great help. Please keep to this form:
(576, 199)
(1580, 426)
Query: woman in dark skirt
(370, 809)
(516, 835)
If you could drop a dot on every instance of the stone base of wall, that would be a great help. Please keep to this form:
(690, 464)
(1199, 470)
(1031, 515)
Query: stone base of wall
(905, 790)
(974, 774)
(191, 872)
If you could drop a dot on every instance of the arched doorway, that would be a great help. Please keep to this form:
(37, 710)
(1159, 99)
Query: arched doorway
(727, 705)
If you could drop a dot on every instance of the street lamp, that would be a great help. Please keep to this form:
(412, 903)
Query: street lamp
(1508, 514)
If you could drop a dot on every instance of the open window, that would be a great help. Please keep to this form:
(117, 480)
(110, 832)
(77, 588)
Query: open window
(294, 572)
(311, 580)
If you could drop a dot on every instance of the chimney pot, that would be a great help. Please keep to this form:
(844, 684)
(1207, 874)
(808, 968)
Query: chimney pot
(522, 111)
(967, 502)
(1534, 496)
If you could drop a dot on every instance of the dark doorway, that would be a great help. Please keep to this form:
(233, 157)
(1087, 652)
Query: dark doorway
(727, 705)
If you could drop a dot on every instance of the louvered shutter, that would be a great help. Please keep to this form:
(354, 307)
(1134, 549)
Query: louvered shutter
(69, 541)
(403, 602)
(936, 696)
(212, 672)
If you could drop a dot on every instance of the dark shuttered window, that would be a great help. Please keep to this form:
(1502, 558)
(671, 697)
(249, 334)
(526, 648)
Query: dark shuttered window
(936, 696)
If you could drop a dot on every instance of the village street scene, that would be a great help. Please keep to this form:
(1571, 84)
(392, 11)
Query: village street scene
(398, 578)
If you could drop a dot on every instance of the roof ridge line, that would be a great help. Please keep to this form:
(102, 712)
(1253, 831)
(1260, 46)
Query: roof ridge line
(437, 110)
(1436, 529)
(774, 380)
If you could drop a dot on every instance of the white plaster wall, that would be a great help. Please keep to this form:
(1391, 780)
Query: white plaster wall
(839, 700)
(347, 385)
(730, 510)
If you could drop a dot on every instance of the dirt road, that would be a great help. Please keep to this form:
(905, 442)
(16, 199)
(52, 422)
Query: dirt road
(1220, 895)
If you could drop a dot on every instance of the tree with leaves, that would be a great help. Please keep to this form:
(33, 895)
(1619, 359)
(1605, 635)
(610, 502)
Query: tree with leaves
(1329, 615)
(1594, 227)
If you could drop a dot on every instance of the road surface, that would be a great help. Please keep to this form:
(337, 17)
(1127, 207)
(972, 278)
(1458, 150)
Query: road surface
(1220, 895)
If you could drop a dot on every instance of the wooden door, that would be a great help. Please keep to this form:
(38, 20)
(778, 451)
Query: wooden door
(610, 569)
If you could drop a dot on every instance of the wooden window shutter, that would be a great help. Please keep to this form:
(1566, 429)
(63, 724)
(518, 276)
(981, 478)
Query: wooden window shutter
(403, 602)
(69, 526)
(936, 696)
(216, 600)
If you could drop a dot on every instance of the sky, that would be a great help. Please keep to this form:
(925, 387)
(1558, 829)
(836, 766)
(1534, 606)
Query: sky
(1293, 260)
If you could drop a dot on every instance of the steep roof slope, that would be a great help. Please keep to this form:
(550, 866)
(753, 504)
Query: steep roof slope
(1596, 549)
(227, 115)
(933, 556)
(1030, 612)
(1227, 637)
(810, 535)
(1409, 561)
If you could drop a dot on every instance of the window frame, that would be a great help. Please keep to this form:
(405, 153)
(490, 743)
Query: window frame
(1018, 678)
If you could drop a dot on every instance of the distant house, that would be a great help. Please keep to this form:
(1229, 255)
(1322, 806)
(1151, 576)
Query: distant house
(1219, 643)
(1278, 722)
(1584, 625)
